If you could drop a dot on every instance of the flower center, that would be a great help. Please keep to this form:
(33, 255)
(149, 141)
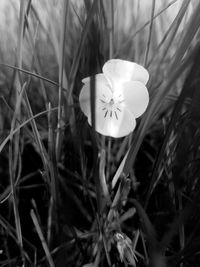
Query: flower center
(112, 107)
(111, 103)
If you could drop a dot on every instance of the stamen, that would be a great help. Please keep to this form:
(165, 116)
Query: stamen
(111, 113)
(116, 115)
(119, 109)
(102, 101)
(106, 113)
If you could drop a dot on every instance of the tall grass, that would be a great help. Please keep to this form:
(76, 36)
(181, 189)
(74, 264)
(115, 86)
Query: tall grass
(69, 196)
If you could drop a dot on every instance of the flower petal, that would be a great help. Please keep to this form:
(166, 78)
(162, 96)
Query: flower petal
(86, 80)
(102, 90)
(117, 70)
(136, 97)
(116, 126)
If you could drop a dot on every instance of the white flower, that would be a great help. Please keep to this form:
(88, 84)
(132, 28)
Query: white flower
(120, 97)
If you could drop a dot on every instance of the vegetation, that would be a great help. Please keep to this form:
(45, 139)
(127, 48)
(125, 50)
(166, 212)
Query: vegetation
(68, 195)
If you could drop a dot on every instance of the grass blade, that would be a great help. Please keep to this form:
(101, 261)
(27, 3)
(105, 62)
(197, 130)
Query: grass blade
(150, 32)
(61, 71)
(42, 239)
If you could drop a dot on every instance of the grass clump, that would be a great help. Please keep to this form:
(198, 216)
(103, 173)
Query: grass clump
(69, 196)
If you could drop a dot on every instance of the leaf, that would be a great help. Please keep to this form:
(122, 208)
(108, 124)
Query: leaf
(146, 223)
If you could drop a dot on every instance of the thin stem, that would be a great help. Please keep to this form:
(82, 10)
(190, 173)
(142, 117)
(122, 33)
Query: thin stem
(61, 69)
(150, 33)
(111, 28)
(42, 239)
